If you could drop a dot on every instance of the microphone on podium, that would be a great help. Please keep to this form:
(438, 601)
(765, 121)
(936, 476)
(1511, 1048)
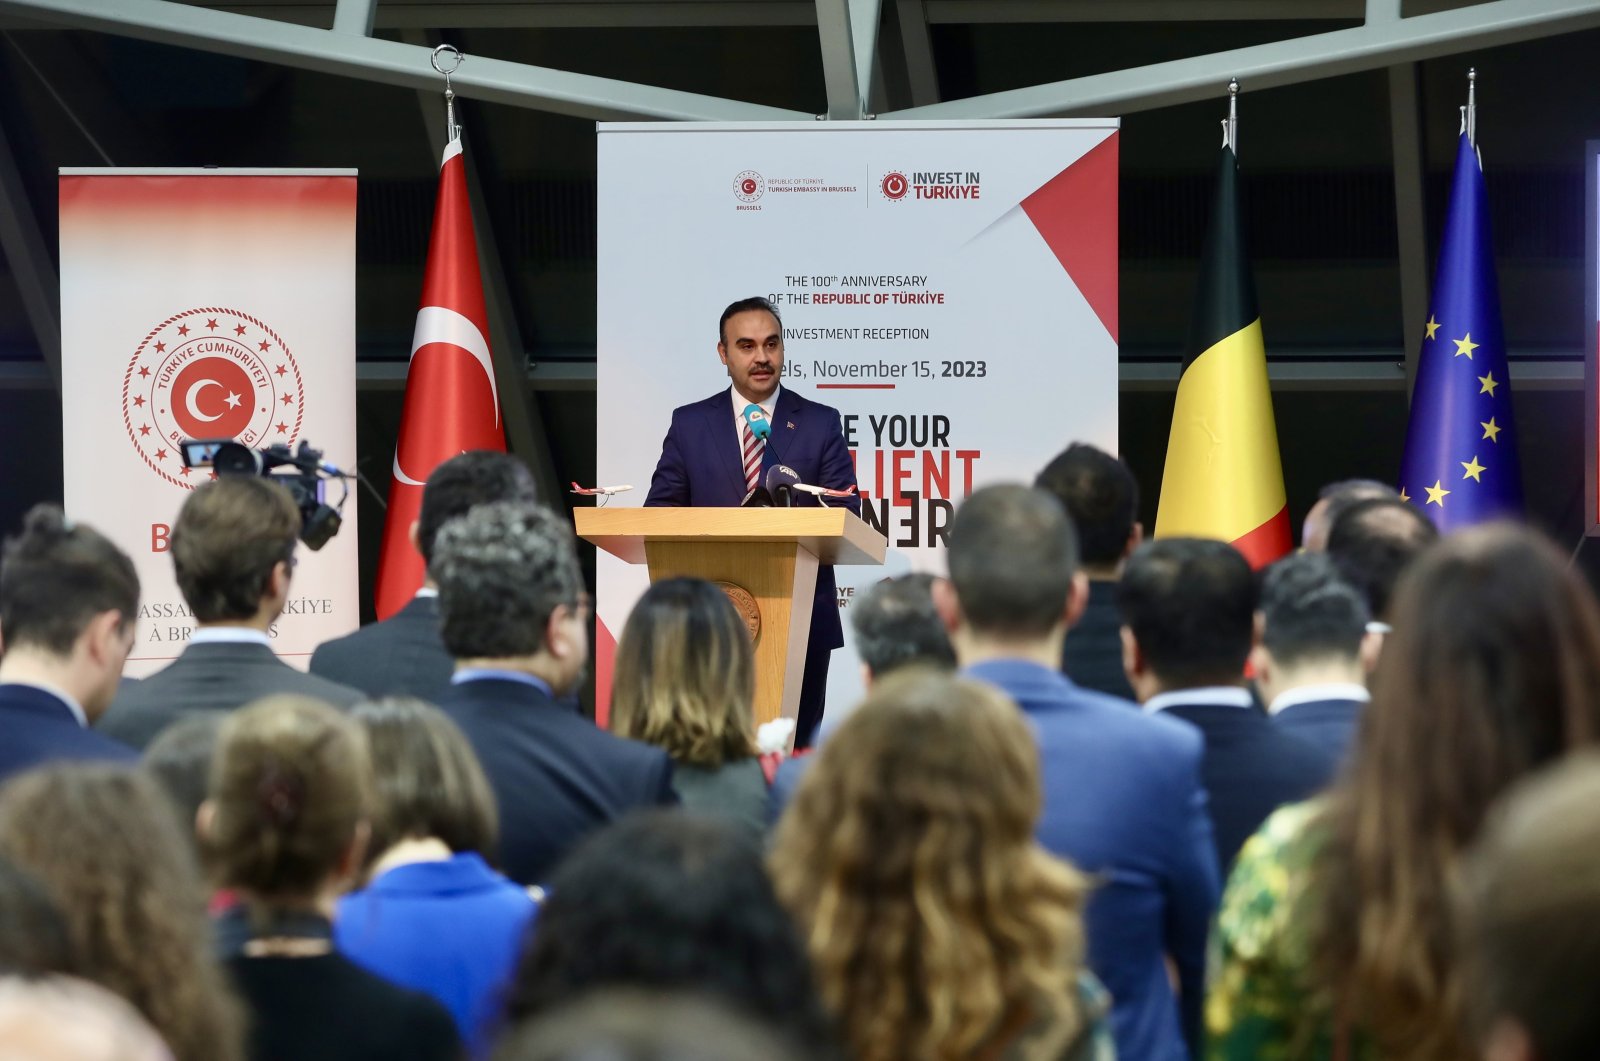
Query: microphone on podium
(757, 498)
(781, 481)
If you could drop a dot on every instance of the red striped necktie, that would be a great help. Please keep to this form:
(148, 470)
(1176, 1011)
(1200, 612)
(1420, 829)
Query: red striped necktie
(753, 447)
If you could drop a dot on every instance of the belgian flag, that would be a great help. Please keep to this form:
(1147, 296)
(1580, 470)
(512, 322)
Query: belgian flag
(1223, 477)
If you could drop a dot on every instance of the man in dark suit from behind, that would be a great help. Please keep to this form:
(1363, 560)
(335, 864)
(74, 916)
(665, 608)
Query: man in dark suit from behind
(1310, 662)
(405, 654)
(1372, 541)
(1331, 502)
(1122, 792)
(68, 601)
(515, 618)
(895, 626)
(232, 549)
(1189, 609)
(1101, 495)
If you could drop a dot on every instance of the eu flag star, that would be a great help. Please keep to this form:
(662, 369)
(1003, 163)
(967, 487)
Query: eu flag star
(1491, 430)
(1489, 384)
(1432, 326)
(1473, 468)
(1403, 495)
(1436, 494)
(1465, 346)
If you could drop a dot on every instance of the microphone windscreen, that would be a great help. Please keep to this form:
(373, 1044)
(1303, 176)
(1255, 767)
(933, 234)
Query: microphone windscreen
(780, 484)
(757, 498)
(756, 418)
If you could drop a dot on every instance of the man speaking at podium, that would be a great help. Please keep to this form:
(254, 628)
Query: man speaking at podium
(719, 452)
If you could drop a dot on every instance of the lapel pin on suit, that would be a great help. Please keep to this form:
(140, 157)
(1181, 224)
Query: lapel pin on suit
(789, 424)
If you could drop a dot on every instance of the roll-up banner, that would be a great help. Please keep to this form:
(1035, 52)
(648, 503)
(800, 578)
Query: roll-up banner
(196, 304)
(950, 287)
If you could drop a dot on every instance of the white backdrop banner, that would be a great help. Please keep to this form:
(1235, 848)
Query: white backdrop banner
(206, 304)
(950, 287)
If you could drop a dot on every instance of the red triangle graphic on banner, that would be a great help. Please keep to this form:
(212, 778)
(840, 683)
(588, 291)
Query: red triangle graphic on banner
(1070, 211)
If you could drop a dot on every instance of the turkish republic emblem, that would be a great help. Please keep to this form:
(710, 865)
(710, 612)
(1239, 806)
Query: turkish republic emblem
(205, 374)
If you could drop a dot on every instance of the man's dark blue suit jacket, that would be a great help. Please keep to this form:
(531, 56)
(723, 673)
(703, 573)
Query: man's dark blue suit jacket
(37, 727)
(702, 465)
(1329, 724)
(1123, 800)
(556, 776)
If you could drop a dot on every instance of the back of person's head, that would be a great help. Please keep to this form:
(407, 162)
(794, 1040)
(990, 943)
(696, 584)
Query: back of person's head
(1372, 541)
(684, 676)
(1492, 671)
(503, 569)
(1309, 613)
(103, 842)
(462, 483)
(290, 789)
(908, 859)
(57, 576)
(1190, 603)
(1012, 557)
(229, 536)
(670, 900)
(896, 625)
(1528, 918)
(63, 1019)
(427, 781)
(1332, 501)
(34, 940)
(180, 761)
(623, 1025)
(1101, 495)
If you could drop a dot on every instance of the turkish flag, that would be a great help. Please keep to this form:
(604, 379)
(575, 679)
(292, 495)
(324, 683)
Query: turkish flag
(452, 405)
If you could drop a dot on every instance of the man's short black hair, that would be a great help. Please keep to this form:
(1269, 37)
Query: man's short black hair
(56, 576)
(1346, 493)
(1012, 556)
(1309, 612)
(895, 625)
(745, 305)
(462, 483)
(1101, 495)
(1373, 541)
(1191, 605)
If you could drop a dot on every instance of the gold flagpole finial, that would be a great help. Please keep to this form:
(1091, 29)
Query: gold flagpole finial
(447, 59)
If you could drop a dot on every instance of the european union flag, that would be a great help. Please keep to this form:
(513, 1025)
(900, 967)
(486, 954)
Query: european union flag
(1460, 465)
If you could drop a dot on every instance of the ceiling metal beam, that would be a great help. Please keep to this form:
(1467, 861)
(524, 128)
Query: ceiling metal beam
(1286, 62)
(34, 270)
(865, 19)
(838, 59)
(920, 70)
(985, 11)
(1410, 208)
(354, 16)
(388, 62)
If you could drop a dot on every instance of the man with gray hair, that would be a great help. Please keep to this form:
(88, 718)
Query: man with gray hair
(1310, 660)
(515, 618)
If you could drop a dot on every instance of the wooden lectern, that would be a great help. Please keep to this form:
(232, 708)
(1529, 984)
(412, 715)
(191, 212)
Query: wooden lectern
(765, 559)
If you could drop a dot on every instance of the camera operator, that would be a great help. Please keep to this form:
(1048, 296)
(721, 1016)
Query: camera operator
(233, 550)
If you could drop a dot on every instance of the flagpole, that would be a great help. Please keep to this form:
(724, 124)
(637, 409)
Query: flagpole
(1232, 124)
(452, 54)
(1469, 113)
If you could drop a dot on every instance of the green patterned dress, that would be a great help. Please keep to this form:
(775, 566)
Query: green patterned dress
(1259, 1007)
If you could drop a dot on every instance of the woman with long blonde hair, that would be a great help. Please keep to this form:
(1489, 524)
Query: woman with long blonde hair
(937, 927)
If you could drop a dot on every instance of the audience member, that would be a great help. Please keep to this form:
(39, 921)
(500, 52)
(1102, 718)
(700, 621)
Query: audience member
(62, 1019)
(938, 927)
(1308, 663)
(33, 935)
(1335, 936)
(102, 841)
(1527, 913)
(1101, 495)
(668, 1025)
(180, 761)
(667, 900)
(1332, 500)
(1373, 542)
(434, 916)
(1189, 605)
(516, 620)
(404, 654)
(1122, 794)
(68, 602)
(895, 626)
(233, 551)
(284, 828)
(684, 680)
